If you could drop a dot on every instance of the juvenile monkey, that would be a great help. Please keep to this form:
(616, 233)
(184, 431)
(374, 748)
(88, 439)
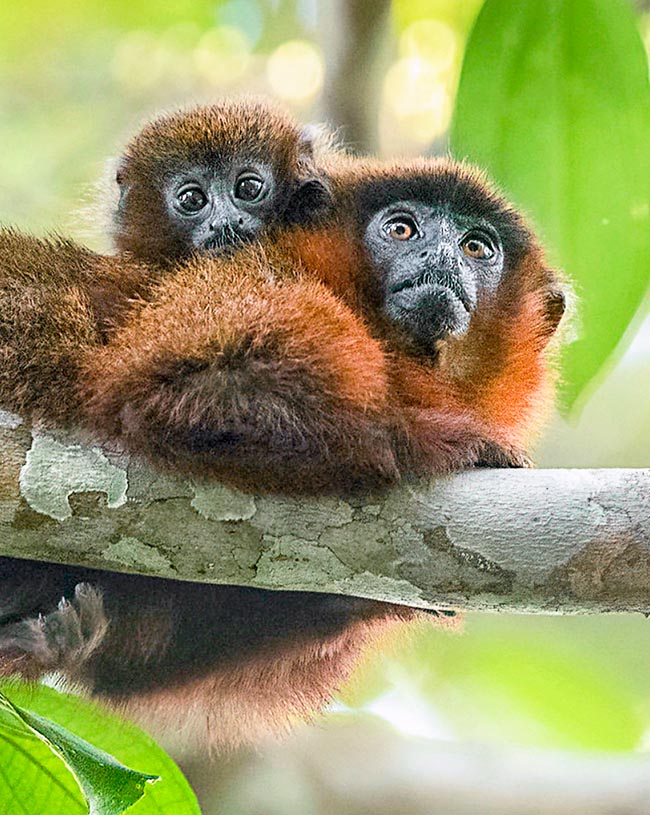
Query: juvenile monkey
(202, 180)
(258, 369)
(212, 178)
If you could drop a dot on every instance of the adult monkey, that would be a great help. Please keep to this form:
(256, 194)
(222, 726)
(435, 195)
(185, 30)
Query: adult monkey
(204, 377)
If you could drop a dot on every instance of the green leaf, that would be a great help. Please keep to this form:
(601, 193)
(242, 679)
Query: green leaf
(554, 102)
(107, 734)
(34, 780)
(109, 787)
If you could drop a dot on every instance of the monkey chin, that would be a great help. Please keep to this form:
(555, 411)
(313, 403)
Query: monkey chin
(429, 313)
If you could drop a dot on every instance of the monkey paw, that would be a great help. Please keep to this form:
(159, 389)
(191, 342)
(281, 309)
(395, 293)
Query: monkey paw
(59, 641)
(495, 455)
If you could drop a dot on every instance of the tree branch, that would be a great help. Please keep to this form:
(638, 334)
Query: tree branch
(533, 540)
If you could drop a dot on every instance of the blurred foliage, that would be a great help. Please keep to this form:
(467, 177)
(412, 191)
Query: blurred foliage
(562, 121)
(558, 682)
(76, 79)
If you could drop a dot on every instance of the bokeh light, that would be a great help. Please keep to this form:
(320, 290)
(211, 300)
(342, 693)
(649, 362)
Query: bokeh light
(295, 71)
(430, 40)
(245, 15)
(140, 60)
(223, 55)
(420, 101)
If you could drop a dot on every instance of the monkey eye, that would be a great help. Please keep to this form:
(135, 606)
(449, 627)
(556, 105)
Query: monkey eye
(249, 187)
(477, 247)
(401, 228)
(192, 199)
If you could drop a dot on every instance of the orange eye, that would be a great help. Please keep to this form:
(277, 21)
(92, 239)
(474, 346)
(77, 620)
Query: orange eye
(476, 248)
(401, 229)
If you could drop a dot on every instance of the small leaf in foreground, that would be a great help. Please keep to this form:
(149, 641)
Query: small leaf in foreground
(171, 795)
(109, 787)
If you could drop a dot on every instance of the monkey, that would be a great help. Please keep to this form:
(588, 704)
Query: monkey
(205, 179)
(217, 366)
(461, 289)
(442, 273)
(213, 177)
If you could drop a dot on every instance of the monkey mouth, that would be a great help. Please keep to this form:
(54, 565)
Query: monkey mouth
(428, 311)
(433, 284)
(227, 240)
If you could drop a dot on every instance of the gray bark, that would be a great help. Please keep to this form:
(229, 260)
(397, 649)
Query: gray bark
(529, 540)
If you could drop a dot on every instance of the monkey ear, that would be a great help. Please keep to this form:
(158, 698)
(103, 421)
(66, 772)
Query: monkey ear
(309, 139)
(119, 173)
(311, 199)
(120, 176)
(554, 306)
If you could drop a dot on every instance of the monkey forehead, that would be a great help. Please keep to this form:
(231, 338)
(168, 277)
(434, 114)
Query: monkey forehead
(210, 134)
(451, 187)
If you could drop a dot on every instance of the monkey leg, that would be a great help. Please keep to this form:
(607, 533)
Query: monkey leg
(222, 665)
(226, 665)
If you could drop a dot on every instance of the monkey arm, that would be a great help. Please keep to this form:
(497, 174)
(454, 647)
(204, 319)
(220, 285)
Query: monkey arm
(244, 373)
(57, 301)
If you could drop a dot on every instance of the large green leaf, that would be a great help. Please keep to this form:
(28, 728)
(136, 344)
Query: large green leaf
(38, 775)
(554, 101)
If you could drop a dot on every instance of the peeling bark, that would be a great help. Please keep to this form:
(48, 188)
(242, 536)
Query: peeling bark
(527, 540)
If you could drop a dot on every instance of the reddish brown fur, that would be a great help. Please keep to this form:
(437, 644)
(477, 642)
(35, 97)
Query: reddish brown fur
(281, 378)
(274, 370)
(57, 300)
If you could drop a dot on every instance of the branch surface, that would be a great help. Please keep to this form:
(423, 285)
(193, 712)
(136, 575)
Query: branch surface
(513, 540)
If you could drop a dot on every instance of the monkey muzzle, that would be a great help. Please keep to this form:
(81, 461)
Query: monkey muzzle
(432, 306)
(225, 239)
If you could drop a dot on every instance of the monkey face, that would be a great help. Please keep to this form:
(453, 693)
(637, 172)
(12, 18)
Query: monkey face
(216, 207)
(438, 241)
(212, 178)
(432, 265)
